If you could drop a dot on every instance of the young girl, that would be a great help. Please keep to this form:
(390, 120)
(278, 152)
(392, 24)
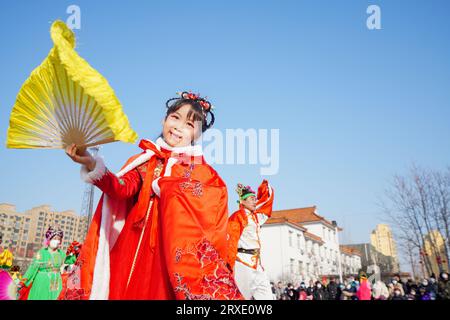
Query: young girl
(159, 231)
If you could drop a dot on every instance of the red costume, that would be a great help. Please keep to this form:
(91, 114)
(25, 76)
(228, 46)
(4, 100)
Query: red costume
(239, 221)
(244, 245)
(159, 231)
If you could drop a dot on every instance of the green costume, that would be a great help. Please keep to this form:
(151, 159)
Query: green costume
(44, 275)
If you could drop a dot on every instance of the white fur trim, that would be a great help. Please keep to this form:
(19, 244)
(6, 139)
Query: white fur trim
(155, 187)
(170, 163)
(112, 223)
(167, 173)
(195, 150)
(96, 174)
(136, 162)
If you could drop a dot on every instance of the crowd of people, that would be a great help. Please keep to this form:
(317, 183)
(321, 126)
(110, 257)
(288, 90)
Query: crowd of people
(359, 288)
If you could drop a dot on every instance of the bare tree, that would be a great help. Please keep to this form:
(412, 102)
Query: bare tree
(418, 207)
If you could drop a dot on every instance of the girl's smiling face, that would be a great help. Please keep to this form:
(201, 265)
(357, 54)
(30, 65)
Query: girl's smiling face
(180, 129)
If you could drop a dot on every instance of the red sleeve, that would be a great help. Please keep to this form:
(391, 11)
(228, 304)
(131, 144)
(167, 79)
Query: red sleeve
(120, 188)
(265, 198)
(236, 225)
(124, 187)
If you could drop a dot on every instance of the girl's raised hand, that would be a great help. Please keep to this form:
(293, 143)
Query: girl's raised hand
(81, 156)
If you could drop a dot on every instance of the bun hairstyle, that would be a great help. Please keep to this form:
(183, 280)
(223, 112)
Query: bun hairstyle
(200, 108)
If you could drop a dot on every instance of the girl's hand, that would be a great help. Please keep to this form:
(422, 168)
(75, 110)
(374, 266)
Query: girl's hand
(81, 156)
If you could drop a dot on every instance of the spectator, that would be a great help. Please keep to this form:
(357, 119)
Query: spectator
(302, 292)
(423, 294)
(399, 282)
(274, 291)
(390, 287)
(364, 290)
(340, 289)
(348, 292)
(398, 294)
(443, 287)
(332, 290)
(380, 291)
(310, 290)
(291, 292)
(412, 294)
(433, 287)
(319, 292)
(279, 290)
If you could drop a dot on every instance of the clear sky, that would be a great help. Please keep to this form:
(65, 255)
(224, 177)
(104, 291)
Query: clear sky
(354, 106)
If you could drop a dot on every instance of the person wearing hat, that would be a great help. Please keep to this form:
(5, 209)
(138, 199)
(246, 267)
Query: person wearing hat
(244, 246)
(42, 281)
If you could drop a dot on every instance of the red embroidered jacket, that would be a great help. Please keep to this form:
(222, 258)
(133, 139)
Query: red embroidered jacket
(173, 243)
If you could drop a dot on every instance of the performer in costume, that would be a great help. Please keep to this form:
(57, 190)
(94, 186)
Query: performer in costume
(8, 289)
(72, 254)
(244, 227)
(15, 274)
(42, 281)
(6, 256)
(159, 231)
(69, 290)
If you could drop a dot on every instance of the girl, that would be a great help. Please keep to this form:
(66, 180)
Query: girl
(42, 281)
(159, 231)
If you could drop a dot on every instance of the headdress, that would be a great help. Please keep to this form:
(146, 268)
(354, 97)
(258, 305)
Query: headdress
(53, 232)
(207, 107)
(244, 192)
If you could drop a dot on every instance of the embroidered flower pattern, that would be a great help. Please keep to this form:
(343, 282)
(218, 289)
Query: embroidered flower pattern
(218, 284)
(195, 187)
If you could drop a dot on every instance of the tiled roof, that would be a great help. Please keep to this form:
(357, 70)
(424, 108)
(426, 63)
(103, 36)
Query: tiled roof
(302, 215)
(282, 220)
(350, 251)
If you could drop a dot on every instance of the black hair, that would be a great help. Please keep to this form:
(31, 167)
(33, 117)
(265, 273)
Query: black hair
(197, 112)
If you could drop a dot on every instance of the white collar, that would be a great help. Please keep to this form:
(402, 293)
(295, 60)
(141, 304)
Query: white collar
(195, 150)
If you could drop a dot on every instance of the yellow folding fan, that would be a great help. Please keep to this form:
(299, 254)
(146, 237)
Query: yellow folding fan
(66, 101)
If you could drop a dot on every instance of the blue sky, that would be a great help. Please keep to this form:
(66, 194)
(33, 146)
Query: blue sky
(354, 106)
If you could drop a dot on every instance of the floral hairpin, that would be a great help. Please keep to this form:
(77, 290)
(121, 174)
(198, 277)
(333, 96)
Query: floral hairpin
(206, 105)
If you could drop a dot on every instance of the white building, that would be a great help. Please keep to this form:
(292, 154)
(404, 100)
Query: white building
(289, 253)
(300, 245)
(351, 260)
